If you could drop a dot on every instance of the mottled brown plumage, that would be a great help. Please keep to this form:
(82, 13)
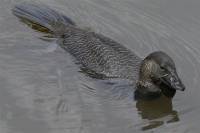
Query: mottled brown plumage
(102, 55)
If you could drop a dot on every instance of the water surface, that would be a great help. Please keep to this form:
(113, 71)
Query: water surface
(43, 91)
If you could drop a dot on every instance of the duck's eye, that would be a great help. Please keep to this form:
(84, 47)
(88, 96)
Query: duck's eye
(162, 67)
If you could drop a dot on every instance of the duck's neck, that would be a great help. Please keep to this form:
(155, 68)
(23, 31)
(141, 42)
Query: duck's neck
(168, 92)
(147, 90)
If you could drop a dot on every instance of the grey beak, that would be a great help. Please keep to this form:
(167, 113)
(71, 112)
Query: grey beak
(173, 81)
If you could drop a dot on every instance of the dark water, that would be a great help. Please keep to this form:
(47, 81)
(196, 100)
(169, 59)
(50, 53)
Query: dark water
(43, 91)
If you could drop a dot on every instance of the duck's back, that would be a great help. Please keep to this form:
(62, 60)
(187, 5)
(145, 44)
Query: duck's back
(94, 51)
(100, 54)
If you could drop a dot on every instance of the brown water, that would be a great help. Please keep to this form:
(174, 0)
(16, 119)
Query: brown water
(43, 91)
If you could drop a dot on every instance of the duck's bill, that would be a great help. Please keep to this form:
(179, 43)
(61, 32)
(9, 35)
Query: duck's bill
(173, 81)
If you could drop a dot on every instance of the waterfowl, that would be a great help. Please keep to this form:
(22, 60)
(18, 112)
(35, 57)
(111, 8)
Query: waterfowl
(153, 76)
(158, 76)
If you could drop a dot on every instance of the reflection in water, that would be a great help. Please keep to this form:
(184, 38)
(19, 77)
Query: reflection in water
(157, 112)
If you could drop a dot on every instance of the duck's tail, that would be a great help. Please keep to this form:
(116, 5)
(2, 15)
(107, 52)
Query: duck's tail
(42, 18)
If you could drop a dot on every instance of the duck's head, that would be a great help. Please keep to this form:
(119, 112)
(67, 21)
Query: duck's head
(158, 75)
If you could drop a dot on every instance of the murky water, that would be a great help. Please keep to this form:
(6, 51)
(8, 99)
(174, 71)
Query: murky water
(43, 91)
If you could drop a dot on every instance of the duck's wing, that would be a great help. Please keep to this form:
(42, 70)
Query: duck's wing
(100, 54)
(129, 62)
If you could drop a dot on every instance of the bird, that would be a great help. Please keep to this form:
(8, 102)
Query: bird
(153, 76)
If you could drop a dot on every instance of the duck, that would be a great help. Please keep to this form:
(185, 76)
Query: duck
(153, 76)
(158, 76)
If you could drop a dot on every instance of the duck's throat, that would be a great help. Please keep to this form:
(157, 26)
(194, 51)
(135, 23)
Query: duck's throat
(167, 91)
(147, 90)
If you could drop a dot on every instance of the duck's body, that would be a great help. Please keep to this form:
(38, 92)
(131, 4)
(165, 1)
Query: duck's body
(95, 52)
(101, 54)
